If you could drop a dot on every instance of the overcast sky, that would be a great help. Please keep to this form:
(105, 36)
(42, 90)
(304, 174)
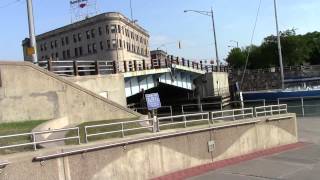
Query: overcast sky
(167, 23)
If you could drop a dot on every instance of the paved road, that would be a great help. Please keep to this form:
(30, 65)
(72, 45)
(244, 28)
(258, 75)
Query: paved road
(298, 164)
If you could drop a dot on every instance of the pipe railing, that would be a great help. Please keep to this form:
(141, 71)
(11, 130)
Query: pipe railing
(34, 141)
(271, 110)
(161, 112)
(301, 105)
(3, 164)
(233, 114)
(183, 119)
(120, 126)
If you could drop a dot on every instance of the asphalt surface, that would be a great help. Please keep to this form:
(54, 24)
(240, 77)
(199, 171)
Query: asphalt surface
(298, 164)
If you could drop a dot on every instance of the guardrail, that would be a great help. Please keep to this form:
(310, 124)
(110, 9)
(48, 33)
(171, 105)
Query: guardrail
(160, 111)
(121, 126)
(79, 67)
(271, 110)
(183, 119)
(33, 137)
(302, 106)
(232, 114)
(152, 125)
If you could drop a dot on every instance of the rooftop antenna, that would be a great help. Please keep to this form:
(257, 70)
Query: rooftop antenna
(131, 11)
(82, 9)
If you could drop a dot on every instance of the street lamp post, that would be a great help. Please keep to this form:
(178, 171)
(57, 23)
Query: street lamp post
(237, 42)
(210, 14)
(32, 31)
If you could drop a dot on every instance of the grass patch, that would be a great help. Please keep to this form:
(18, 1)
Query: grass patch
(109, 128)
(17, 128)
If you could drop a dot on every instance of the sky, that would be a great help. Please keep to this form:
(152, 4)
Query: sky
(167, 23)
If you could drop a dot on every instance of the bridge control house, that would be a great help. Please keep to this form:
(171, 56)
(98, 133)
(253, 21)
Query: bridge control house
(108, 36)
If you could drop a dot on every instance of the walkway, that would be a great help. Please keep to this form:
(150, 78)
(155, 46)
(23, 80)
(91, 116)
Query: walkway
(298, 164)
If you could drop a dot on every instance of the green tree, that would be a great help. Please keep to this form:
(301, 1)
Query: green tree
(236, 58)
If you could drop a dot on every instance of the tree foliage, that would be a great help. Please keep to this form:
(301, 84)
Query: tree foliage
(296, 50)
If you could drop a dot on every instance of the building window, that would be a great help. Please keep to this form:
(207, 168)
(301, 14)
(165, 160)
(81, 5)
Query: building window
(89, 49)
(94, 48)
(67, 40)
(113, 28)
(114, 43)
(64, 55)
(120, 43)
(124, 44)
(45, 46)
(74, 38)
(119, 29)
(41, 47)
(76, 52)
(79, 37)
(57, 55)
(62, 41)
(108, 44)
(88, 34)
(93, 33)
(101, 45)
(52, 44)
(107, 29)
(80, 51)
(55, 43)
(100, 31)
(68, 53)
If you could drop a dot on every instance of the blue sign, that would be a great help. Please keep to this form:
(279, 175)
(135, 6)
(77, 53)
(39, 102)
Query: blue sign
(153, 101)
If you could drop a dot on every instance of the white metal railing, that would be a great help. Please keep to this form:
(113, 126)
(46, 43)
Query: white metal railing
(232, 114)
(121, 126)
(162, 111)
(33, 138)
(271, 110)
(190, 108)
(183, 119)
(3, 164)
(302, 106)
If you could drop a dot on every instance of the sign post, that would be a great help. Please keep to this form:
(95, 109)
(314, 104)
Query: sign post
(153, 103)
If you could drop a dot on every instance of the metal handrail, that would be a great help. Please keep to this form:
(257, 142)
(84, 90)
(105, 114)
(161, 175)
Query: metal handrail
(139, 140)
(185, 120)
(122, 130)
(34, 141)
(234, 114)
(3, 164)
(270, 109)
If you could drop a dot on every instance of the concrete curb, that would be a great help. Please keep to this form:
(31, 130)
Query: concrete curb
(198, 170)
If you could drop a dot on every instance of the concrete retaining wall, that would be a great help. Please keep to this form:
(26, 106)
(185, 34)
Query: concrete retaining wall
(28, 92)
(154, 158)
(110, 86)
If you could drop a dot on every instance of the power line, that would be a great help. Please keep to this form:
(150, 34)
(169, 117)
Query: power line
(251, 42)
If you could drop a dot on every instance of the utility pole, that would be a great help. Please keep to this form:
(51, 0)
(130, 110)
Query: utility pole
(279, 45)
(215, 38)
(210, 14)
(32, 35)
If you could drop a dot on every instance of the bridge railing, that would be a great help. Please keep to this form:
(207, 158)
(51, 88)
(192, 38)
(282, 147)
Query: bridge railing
(271, 110)
(79, 67)
(34, 140)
